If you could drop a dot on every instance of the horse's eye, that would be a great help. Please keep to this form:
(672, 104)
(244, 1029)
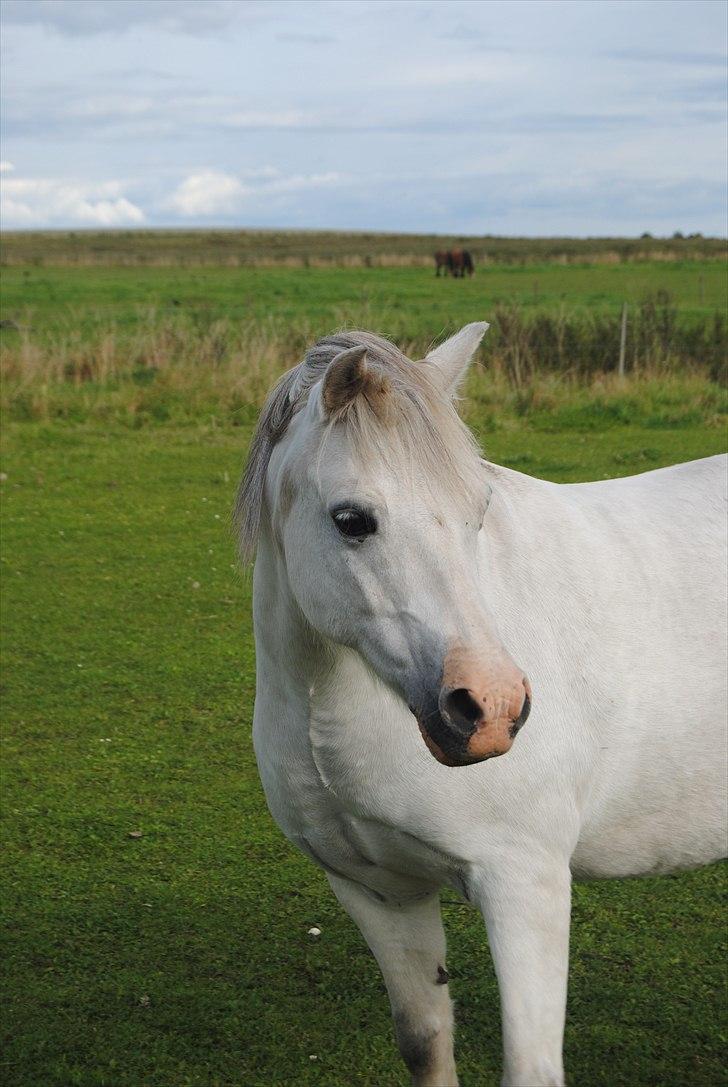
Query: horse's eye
(354, 523)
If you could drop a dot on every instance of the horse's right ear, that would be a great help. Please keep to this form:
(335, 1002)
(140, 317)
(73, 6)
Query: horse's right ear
(452, 358)
(348, 376)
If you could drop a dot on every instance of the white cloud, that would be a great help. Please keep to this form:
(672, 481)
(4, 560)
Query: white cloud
(304, 38)
(494, 70)
(212, 192)
(305, 181)
(260, 173)
(43, 202)
(6, 167)
(291, 118)
(111, 105)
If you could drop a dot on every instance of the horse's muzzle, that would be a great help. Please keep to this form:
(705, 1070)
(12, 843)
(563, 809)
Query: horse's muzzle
(469, 727)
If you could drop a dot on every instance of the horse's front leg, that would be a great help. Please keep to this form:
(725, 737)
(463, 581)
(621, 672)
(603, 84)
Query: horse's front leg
(525, 899)
(408, 942)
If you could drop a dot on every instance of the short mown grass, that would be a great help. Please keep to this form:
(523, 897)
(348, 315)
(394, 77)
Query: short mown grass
(155, 919)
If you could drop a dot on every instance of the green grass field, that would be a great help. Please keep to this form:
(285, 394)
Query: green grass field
(155, 919)
(406, 301)
(181, 957)
(173, 344)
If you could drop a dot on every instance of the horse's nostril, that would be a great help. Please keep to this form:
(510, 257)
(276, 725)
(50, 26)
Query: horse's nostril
(462, 709)
(522, 717)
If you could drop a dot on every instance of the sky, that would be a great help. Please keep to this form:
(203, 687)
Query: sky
(514, 117)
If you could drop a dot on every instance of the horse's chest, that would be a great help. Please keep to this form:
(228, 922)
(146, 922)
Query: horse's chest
(348, 805)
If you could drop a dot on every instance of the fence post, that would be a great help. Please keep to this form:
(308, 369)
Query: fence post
(623, 339)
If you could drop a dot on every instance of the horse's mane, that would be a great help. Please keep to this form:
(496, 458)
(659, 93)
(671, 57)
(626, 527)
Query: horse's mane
(421, 423)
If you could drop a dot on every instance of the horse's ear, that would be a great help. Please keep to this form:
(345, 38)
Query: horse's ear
(452, 358)
(348, 376)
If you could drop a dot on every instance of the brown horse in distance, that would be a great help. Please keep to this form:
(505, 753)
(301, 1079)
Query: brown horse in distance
(456, 262)
(442, 260)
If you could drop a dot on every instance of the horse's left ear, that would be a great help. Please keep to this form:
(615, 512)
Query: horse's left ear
(452, 357)
(350, 375)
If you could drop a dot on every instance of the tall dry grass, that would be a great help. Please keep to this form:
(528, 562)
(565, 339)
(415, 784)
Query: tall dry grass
(173, 366)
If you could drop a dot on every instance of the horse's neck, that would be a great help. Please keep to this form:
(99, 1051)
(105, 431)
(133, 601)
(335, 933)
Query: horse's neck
(530, 552)
(281, 644)
(291, 657)
(511, 534)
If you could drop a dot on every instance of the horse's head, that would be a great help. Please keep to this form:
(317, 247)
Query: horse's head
(374, 498)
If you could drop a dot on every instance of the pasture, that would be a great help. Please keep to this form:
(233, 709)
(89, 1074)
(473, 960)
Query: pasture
(80, 299)
(156, 920)
(326, 248)
(174, 344)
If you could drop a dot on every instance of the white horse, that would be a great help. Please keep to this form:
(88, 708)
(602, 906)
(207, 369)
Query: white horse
(399, 578)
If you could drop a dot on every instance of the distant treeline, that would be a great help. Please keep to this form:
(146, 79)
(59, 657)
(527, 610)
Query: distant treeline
(236, 248)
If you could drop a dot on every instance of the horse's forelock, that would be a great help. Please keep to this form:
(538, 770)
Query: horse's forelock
(425, 423)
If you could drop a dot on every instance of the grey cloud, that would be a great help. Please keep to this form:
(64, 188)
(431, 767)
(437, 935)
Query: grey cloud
(482, 40)
(483, 203)
(305, 39)
(190, 92)
(154, 74)
(90, 17)
(124, 111)
(703, 90)
(707, 116)
(603, 196)
(445, 201)
(711, 60)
